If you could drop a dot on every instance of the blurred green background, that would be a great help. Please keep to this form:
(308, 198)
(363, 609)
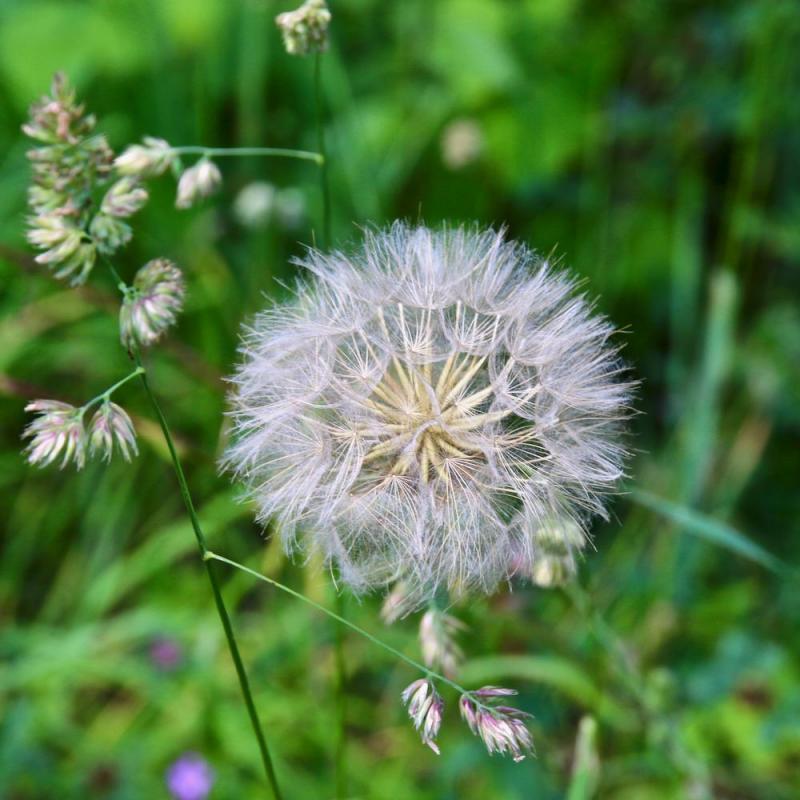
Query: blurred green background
(656, 147)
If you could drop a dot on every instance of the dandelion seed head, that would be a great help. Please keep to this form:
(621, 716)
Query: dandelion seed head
(426, 404)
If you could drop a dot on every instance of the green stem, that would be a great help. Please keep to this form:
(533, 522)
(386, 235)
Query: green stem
(340, 755)
(233, 647)
(333, 615)
(103, 396)
(323, 173)
(340, 759)
(226, 152)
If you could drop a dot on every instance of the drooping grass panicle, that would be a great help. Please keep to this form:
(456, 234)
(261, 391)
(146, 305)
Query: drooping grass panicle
(196, 182)
(149, 159)
(56, 431)
(151, 305)
(437, 638)
(501, 728)
(59, 429)
(111, 428)
(425, 708)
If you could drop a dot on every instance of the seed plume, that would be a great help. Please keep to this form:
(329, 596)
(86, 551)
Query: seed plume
(429, 404)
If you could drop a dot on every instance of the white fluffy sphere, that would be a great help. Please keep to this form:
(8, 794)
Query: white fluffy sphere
(433, 407)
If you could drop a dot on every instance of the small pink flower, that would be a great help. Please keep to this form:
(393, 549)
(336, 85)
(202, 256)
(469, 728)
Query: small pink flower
(165, 653)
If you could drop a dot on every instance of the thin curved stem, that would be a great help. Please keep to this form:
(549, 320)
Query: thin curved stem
(212, 556)
(111, 389)
(233, 647)
(231, 152)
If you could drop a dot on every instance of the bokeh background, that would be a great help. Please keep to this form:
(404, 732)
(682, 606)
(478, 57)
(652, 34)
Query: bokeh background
(655, 147)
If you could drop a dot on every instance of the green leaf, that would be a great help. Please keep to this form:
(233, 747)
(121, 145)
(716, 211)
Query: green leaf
(83, 40)
(586, 766)
(708, 528)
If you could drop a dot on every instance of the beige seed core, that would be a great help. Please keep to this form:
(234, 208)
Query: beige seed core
(429, 409)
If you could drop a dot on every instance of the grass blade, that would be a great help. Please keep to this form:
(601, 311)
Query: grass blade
(708, 528)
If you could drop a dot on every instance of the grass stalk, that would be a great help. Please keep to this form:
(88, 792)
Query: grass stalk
(340, 754)
(230, 636)
(321, 147)
(233, 152)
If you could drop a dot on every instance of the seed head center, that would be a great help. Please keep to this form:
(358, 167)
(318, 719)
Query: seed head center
(424, 415)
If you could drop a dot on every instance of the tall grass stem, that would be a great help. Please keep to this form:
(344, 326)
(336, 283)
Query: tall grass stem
(323, 172)
(233, 646)
(340, 756)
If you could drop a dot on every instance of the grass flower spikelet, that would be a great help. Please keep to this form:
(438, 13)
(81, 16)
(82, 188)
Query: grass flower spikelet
(152, 304)
(56, 431)
(437, 638)
(425, 708)
(305, 30)
(198, 181)
(111, 426)
(152, 157)
(502, 728)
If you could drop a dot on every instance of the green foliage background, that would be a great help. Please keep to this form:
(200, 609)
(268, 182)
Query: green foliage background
(655, 146)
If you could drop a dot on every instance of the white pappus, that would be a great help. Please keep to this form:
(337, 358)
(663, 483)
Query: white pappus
(428, 404)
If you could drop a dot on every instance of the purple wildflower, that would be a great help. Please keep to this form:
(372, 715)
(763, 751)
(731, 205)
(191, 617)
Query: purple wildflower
(166, 653)
(190, 777)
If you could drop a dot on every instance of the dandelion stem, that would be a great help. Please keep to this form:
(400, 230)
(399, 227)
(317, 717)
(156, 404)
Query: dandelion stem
(233, 647)
(211, 556)
(224, 152)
